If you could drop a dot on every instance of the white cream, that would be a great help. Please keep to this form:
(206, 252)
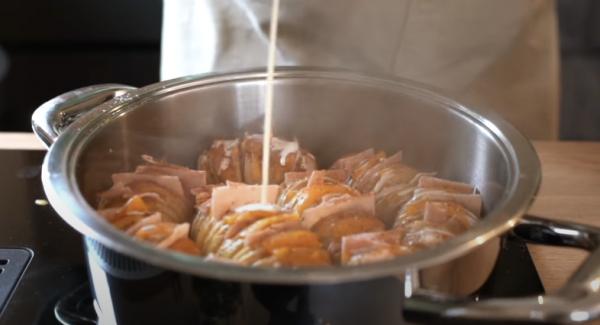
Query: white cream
(224, 163)
(269, 100)
(290, 147)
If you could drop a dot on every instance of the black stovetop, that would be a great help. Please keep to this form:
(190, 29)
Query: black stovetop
(57, 265)
(57, 269)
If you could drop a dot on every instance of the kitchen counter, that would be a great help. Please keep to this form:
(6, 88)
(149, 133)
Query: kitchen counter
(570, 191)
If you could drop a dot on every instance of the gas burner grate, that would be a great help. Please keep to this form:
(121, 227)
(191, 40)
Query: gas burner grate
(77, 307)
(13, 262)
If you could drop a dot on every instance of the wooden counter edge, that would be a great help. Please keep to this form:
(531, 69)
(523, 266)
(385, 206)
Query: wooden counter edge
(20, 141)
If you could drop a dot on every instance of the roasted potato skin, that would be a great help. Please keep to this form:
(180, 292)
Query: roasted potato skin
(240, 160)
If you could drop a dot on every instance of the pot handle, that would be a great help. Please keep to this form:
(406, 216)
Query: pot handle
(578, 301)
(53, 116)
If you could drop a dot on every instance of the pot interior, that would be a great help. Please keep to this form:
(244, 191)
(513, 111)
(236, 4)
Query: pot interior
(329, 116)
(331, 113)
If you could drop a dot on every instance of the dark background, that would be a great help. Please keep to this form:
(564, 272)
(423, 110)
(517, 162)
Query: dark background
(579, 23)
(51, 47)
(54, 46)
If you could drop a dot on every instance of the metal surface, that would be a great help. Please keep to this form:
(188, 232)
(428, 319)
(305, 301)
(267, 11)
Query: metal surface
(170, 295)
(76, 307)
(331, 113)
(576, 302)
(52, 117)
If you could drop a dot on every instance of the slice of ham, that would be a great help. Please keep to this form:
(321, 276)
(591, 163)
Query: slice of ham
(171, 183)
(395, 158)
(373, 247)
(117, 193)
(429, 182)
(436, 213)
(234, 184)
(348, 163)
(173, 203)
(189, 178)
(227, 198)
(391, 200)
(440, 213)
(318, 177)
(435, 216)
(398, 189)
(372, 240)
(369, 179)
(338, 204)
(427, 237)
(386, 162)
(392, 175)
(339, 175)
(472, 202)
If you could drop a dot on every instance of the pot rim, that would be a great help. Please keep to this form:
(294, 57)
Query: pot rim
(59, 181)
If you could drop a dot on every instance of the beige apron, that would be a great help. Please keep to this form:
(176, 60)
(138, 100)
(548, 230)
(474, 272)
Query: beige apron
(502, 55)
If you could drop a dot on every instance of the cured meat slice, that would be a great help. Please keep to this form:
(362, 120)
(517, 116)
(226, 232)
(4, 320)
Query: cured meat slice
(430, 182)
(374, 247)
(227, 198)
(339, 175)
(189, 178)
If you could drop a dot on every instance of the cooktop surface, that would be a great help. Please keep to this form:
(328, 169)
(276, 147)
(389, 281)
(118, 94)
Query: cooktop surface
(28, 224)
(42, 260)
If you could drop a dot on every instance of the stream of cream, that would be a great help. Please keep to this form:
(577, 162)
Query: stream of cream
(269, 101)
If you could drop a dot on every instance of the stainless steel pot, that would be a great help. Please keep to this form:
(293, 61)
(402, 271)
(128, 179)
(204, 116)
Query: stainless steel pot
(96, 131)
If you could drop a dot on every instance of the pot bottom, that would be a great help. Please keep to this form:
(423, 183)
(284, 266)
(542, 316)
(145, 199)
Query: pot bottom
(157, 296)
